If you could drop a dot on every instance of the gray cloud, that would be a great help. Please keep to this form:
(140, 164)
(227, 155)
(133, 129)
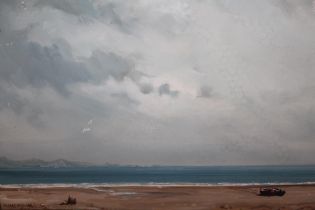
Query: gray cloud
(13, 3)
(146, 88)
(39, 66)
(205, 92)
(123, 98)
(73, 7)
(292, 7)
(108, 12)
(10, 100)
(165, 89)
(106, 65)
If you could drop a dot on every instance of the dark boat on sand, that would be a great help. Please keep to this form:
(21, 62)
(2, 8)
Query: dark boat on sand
(271, 192)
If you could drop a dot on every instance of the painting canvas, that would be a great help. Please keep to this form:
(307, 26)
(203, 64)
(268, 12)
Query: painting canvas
(156, 104)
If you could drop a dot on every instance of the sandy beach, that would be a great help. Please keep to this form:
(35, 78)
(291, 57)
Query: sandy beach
(299, 197)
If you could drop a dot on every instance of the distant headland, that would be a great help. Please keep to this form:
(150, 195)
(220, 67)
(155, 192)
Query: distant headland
(59, 163)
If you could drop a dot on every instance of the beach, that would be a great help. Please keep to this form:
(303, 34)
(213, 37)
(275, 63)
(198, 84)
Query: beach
(300, 197)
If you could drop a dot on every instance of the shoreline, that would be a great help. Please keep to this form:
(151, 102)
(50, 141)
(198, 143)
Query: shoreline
(93, 185)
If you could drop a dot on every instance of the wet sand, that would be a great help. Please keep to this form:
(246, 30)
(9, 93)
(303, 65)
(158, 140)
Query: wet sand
(300, 197)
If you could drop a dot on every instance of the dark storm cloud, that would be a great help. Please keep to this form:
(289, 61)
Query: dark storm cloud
(105, 65)
(26, 64)
(165, 89)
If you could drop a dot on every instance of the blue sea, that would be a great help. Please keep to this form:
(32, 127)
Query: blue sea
(159, 175)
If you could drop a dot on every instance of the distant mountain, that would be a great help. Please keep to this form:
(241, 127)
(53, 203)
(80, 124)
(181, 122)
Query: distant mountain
(60, 163)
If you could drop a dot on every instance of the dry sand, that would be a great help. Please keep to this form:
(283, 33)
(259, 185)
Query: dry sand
(155, 197)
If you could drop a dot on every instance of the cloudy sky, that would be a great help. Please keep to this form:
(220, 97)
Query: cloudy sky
(158, 82)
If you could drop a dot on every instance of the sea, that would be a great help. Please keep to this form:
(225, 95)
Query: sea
(157, 175)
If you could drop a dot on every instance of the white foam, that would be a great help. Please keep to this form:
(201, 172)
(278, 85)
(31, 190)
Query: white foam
(123, 193)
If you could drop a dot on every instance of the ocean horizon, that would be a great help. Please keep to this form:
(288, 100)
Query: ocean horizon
(157, 175)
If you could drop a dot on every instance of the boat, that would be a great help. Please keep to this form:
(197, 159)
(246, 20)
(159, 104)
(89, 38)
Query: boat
(271, 192)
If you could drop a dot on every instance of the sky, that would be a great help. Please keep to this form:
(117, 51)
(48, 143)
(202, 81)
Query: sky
(158, 82)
